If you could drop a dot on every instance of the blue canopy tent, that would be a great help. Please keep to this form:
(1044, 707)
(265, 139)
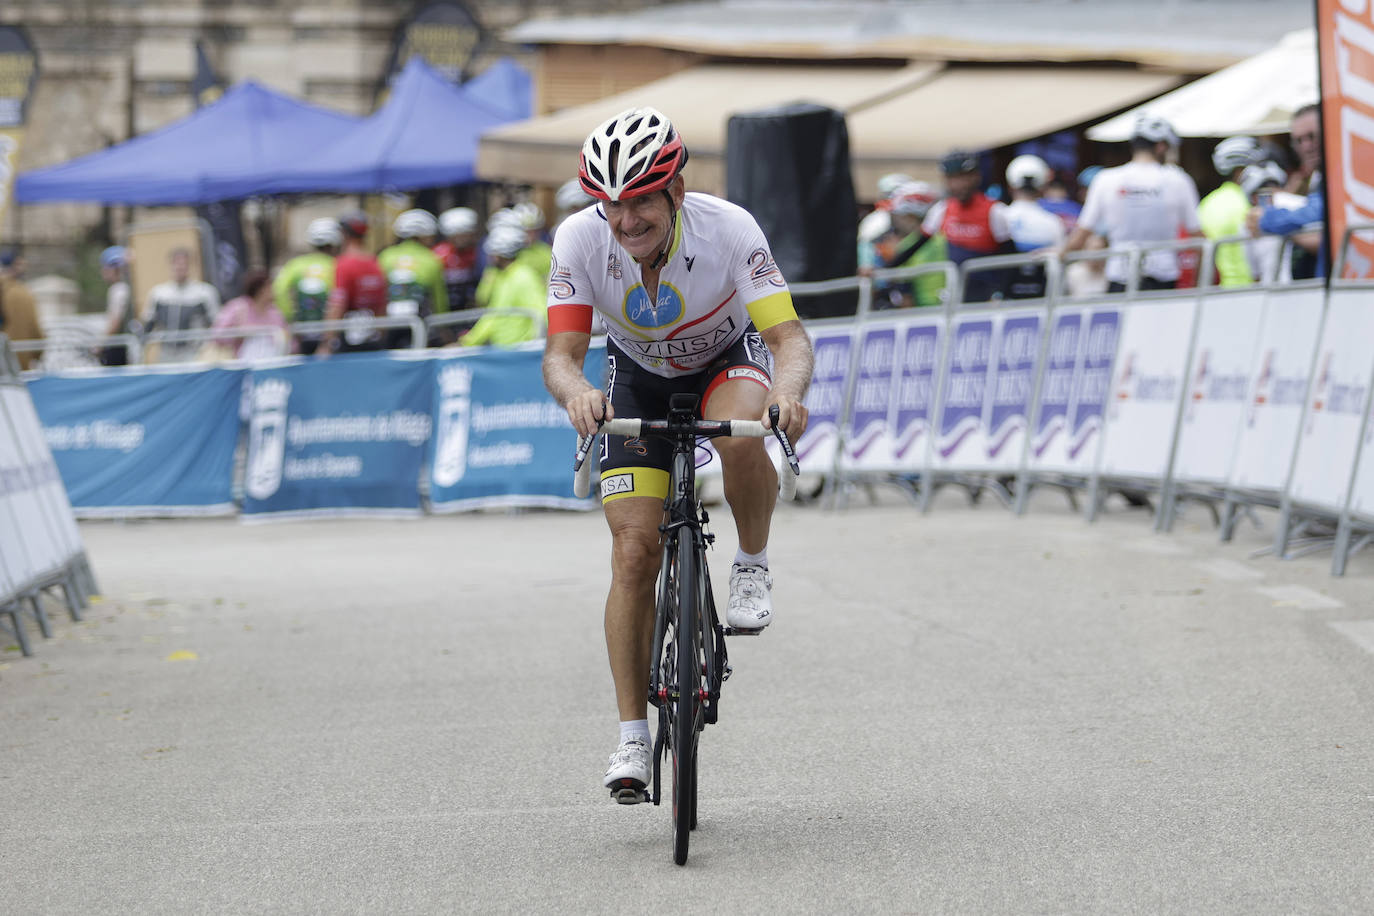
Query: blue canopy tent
(425, 136)
(505, 87)
(224, 151)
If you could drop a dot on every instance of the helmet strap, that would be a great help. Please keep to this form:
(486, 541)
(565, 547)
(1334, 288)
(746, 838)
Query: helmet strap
(662, 256)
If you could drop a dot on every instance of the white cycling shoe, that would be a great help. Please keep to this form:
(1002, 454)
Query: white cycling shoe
(751, 599)
(630, 771)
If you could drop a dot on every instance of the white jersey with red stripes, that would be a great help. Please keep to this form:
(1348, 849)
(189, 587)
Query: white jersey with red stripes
(719, 276)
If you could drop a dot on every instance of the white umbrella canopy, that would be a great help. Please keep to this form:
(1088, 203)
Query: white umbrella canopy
(1256, 96)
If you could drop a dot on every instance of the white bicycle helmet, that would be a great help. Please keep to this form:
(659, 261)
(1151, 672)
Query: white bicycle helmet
(632, 154)
(571, 197)
(891, 182)
(506, 216)
(531, 217)
(457, 221)
(505, 242)
(1236, 153)
(415, 224)
(1154, 129)
(1260, 175)
(1028, 172)
(915, 198)
(322, 233)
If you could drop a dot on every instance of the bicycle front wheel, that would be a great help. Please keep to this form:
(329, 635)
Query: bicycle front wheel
(684, 724)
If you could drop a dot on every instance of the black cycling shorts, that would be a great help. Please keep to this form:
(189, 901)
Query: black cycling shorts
(639, 467)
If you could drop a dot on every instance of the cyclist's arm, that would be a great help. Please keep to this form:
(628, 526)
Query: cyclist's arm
(563, 356)
(793, 363)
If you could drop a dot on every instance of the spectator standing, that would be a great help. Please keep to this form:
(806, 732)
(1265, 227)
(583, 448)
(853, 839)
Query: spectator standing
(414, 274)
(18, 310)
(359, 289)
(1309, 253)
(461, 256)
(256, 308)
(909, 205)
(973, 224)
(114, 264)
(1222, 213)
(180, 304)
(303, 284)
(1032, 227)
(517, 295)
(1055, 198)
(1142, 202)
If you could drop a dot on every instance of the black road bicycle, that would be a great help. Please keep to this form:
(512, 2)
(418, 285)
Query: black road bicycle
(689, 660)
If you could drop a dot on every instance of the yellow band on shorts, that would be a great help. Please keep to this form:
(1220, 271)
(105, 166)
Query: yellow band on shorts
(618, 483)
(771, 310)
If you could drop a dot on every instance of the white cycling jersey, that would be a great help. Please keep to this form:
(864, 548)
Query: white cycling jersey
(719, 276)
(1142, 202)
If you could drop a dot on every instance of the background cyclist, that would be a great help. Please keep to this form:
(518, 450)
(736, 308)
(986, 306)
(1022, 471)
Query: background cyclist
(693, 302)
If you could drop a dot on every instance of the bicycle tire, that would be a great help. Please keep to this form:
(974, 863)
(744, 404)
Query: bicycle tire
(684, 726)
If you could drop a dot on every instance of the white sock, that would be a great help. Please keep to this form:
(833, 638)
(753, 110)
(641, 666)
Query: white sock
(639, 728)
(751, 559)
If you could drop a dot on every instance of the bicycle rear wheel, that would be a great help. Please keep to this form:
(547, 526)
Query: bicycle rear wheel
(684, 714)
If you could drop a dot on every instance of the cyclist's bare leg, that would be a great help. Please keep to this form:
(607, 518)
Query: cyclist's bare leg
(635, 556)
(751, 482)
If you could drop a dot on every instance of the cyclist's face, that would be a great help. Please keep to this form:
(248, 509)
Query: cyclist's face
(962, 186)
(641, 224)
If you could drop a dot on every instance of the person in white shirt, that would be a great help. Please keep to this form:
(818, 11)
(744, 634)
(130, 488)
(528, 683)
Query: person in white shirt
(180, 304)
(1144, 201)
(1032, 227)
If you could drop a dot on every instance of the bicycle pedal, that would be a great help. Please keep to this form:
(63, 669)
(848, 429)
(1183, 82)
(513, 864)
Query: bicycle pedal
(741, 631)
(629, 795)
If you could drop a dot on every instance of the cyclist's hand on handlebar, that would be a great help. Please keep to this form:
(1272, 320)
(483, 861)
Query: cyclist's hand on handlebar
(587, 410)
(792, 416)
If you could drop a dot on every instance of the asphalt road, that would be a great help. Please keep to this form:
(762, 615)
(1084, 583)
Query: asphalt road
(958, 713)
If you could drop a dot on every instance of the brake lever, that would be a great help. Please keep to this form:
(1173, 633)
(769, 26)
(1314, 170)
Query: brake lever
(788, 452)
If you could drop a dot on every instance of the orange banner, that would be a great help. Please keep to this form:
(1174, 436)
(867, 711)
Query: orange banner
(1345, 41)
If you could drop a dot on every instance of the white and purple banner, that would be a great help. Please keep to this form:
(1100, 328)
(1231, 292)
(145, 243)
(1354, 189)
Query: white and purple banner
(1279, 377)
(1073, 396)
(893, 396)
(1336, 402)
(825, 399)
(1218, 385)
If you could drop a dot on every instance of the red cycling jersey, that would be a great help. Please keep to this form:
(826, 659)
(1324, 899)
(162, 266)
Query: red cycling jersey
(359, 282)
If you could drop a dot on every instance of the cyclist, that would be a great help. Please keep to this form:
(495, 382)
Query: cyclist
(537, 253)
(359, 287)
(461, 256)
(303, 283)
(973, 224)
(516, 294)
(414, 274)
(909, 205)
(1143, 201)
(693, 302)
(1032, 227)
(1222, 213)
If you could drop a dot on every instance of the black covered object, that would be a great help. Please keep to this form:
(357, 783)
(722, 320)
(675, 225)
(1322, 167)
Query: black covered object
(789, 167)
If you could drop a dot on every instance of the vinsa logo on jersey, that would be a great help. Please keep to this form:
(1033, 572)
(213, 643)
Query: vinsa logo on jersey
(660, 314)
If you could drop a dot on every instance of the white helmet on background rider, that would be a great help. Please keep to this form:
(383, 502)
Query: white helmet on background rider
(458, 221)
(891, 182)
(632, 154)
(505, 242)
(915, 198)
(1236, 153)
(324, 233)
(571, 197)
(1154, 129)
(531, 217)
(1027, 172)
(415, 224)
(1261, 175)
(506, 216)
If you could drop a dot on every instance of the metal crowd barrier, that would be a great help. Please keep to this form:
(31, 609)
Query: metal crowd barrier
(40, 547)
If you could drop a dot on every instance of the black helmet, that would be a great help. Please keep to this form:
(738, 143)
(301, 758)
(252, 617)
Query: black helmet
(959, 162)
